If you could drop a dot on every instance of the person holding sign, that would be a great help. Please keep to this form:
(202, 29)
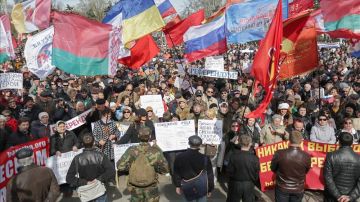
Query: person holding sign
(63, 140)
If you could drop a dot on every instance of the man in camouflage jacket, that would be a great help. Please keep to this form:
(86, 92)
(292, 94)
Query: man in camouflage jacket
(156, 159)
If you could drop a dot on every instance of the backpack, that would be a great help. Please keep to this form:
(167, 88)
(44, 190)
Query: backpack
(141, 173)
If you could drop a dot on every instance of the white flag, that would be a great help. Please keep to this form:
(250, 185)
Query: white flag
(38, 52)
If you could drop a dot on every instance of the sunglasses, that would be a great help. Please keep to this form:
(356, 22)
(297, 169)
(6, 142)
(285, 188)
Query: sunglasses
(322, 119)
(126, 112)
(150, 111)
(209, 91)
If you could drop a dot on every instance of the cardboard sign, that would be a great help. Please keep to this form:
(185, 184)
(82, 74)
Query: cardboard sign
(11, 81)
(210, 131)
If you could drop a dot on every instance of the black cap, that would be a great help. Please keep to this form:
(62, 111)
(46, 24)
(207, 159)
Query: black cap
(195, 141)
(100, 101)
(24, 153)
(45, 94)
(178, 95)
(141, 112)
(198, 93)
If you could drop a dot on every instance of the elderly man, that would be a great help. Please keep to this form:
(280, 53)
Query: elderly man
(273, 132)
(21, 187)
(41, 128)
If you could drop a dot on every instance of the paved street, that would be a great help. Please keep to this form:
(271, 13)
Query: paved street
(167, 191)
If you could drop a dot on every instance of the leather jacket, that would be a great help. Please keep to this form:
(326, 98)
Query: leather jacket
(90, 164)
(290, 166)
(341, 173)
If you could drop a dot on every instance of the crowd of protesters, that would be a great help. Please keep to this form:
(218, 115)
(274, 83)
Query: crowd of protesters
(320, 104)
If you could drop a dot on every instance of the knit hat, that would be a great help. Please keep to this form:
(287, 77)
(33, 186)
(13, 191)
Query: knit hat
(283, 106)
(41, 114)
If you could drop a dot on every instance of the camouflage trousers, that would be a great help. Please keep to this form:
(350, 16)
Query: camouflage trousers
(148, 194)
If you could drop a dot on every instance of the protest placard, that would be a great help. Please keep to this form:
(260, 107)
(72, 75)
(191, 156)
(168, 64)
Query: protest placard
(11, 81)
(154, 101)
(173, 136)
(215, 63)
(210, 131)
(214, 73)
(122, 128)
(120, 149)
(9, 165)
(72, 123)
(61, 164)
(317, 151)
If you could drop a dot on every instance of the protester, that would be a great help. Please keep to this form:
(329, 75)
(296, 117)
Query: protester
(349, 128)
(191, 164)
(322, 132)
(243, 170)
(290, 166)
(4, 133)
(90, 170)
(32, 182)
(63, 140)
(341, 182)
(22, 135)
(274, 132)
(144, 162)
(41, 127)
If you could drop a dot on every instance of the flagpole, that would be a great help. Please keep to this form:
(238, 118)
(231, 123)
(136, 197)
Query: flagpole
(178, 57)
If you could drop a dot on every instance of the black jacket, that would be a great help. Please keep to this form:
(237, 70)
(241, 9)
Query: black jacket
(64, 144)
(243, 166)
(4, 133)
(19, 138)
(189, 164)
(131, 135)
(39, 130)
(255, 134)
(342, 173)
(90, 165)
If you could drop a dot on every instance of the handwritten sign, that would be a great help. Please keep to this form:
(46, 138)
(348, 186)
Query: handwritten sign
(210, 131)
(120, 149)
(154, 101)
(11, 81)
(173, 136)
(215, 63)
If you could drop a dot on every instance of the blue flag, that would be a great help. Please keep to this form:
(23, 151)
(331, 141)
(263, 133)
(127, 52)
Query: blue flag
(250, 20)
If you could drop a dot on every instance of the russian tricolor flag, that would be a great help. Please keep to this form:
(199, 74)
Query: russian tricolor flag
(355, 49)
(205, 40)
(165, 7)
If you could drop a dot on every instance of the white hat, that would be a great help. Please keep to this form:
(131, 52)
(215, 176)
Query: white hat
(112, 104)
(283, 106)
(41, 114)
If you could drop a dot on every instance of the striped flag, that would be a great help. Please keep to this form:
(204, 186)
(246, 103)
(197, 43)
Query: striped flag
(165, 7)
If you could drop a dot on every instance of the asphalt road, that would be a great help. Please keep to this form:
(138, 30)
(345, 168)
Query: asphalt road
(167, 191)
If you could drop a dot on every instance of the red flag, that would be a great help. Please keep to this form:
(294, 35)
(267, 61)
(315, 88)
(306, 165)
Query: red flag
(297, 6)
(142, 52)
(174, 34)
(173, 22)
(266, 62)
(300, 47)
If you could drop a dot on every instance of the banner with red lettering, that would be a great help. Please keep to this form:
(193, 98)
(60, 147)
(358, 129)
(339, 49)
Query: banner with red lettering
(314, 178)
(8, 162)
(73, 123)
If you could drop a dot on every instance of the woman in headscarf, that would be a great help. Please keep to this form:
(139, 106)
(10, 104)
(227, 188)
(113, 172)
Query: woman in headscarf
(63, 140)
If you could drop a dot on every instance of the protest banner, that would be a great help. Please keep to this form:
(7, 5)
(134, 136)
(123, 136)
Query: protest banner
(38, 52)
(120, 149)
(173, 136)
(214, 73)
(72, 123)
(215, 63)
(314, 178)
(122, 128)
(210, 131)
(154, 101)
(11, 81)
(61, 164)
(9, 164)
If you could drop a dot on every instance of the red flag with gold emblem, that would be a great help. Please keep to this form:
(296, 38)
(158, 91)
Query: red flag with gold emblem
(266, 61)
(299, 47)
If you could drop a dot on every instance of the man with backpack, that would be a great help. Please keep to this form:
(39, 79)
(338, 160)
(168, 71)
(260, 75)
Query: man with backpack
(144, 162)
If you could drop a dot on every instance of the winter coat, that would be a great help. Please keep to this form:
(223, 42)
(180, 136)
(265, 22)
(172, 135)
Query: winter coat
(40, 130)
(323, 134)
(269, 137)
(102, 131)
(63, 144)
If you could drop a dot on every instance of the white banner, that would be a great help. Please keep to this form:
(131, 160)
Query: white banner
(73, 123)
(38, 53)
(215, 63)
(210, 131)
(173, 136)
(213, 73)
(154, 101)
(120, 149)
(61, 164)
(11, 81)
